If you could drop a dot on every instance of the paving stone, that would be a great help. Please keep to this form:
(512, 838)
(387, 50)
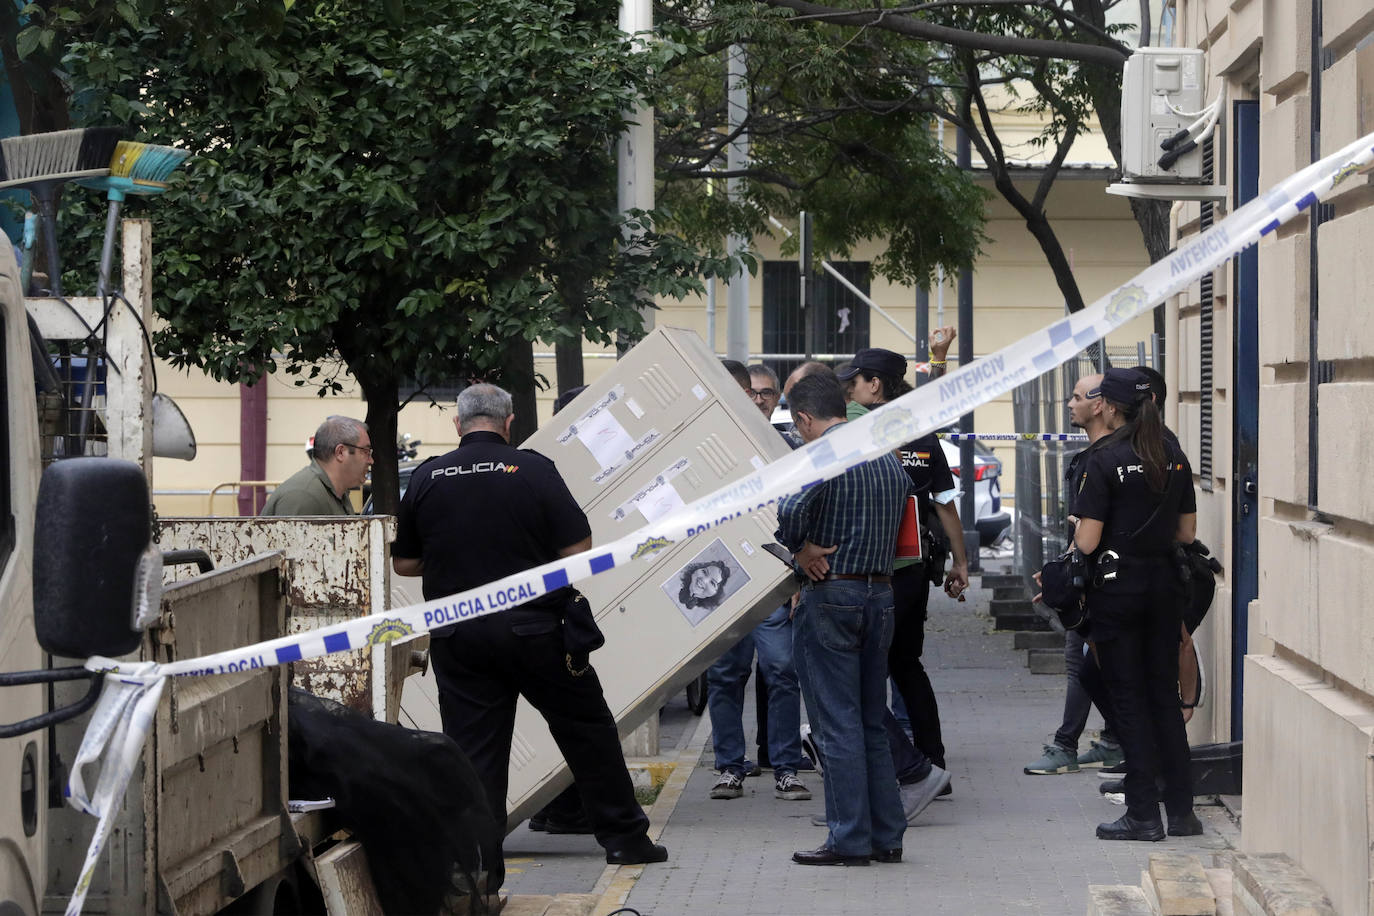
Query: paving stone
(1002, 843)
(1118, 900)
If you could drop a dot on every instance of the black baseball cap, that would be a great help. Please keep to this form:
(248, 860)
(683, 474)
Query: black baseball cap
(875, 361)
(1124, 386)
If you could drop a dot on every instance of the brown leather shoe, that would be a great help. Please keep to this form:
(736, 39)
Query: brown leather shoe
(826, 856)
(887, 856)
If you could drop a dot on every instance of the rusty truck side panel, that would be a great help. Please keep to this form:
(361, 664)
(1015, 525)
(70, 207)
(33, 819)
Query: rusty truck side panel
(337, 570)
(222, 826)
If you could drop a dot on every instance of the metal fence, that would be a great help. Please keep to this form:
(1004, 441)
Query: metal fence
(1038, 406)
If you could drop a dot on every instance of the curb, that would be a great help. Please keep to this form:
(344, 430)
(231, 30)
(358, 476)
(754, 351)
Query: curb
(613, 887)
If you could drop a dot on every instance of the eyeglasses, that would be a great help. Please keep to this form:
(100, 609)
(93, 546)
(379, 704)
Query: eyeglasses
(757, 393)
(363, 448)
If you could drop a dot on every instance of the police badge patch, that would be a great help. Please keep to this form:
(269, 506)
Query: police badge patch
(1127, 302)
(649, 547)
(894, 427)
(389, 629)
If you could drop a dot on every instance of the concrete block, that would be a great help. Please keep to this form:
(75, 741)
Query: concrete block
(1344, 274)
(1283, 295)
(1307, 780)
(1035, 640)
(572, 905)
(1002, 580)
(1027, 621)
(1288, 586)
(1345, 427)
(1345, 631)
(643, 741)
(1046, 661)
(1220, 879)
(1277, 886)
(1344, 21)
(1283, 416)
(1117, 900)
(1284, 64)
(1284, 133)
(1010, 593)
(1000, 607)
(1181, 885)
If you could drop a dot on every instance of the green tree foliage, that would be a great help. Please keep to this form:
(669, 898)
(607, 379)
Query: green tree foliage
(417, 190)
(838, 124)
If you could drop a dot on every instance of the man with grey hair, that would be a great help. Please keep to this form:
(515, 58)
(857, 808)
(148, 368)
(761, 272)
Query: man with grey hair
(341, 456)
(480, 513)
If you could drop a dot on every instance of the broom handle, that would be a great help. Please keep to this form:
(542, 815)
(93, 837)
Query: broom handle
(107, 250)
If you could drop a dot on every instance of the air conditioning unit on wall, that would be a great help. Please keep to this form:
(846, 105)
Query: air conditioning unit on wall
(1164, 119)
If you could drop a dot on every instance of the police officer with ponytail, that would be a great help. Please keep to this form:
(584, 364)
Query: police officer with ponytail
(1137, 500)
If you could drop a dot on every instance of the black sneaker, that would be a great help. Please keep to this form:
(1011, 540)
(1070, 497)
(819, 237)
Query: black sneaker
(1111, 786)
(729, 785)
(789, 788)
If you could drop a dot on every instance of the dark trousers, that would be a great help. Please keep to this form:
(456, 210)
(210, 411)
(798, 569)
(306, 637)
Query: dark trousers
(484, 668)
(910, 598)
(1085, 690)
(1138, 649)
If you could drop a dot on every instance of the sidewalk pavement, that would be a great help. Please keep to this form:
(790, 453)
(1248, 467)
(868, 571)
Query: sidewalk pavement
(1003, 842)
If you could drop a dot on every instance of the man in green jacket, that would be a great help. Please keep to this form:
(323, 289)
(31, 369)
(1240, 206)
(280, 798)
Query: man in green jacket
(342, 454)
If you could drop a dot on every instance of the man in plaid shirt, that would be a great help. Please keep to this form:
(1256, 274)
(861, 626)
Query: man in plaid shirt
(843, 534)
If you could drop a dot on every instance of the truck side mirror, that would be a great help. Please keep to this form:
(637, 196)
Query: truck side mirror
(93, 525)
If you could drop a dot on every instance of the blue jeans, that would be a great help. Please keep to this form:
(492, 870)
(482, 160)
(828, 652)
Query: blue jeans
(841, 634)
(725, 682)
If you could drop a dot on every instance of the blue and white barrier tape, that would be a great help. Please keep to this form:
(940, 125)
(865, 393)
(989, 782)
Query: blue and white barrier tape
(124, 715)
(1013, 437)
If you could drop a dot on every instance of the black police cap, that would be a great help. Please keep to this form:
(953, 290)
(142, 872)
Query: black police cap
(1124, 386)
(875, 361)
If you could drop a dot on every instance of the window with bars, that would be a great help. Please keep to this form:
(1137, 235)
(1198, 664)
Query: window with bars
(842, 318)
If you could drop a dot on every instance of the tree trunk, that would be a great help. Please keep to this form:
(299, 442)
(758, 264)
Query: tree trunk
(517, 374)
(568, 365)
(380, 389)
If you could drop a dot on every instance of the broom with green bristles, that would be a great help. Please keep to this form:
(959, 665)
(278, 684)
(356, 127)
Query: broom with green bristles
(41, 162)
(136, 168)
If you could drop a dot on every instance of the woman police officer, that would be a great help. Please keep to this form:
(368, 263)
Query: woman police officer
(1136, 501)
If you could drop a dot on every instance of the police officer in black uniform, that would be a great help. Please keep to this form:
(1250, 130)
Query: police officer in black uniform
(1136, 501)
(877, 376)
(481, 512)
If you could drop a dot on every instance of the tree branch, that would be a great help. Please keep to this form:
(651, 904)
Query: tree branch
(1114, 57)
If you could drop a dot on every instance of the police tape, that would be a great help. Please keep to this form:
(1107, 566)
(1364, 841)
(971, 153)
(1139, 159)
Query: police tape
(124, 714)
(1013, 437)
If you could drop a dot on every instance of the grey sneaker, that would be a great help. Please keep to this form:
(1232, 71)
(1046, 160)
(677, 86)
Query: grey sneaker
(810, 748)
(1055, 760)
(789, 788)
(1101, 755)
(818, 820)
(917, 796)
(729, 785)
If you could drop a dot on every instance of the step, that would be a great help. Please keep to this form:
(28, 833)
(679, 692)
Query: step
(1177, 885)
(999, 606)
(548, 905)
(1010, 593)
(1028, 621)
(1117, 900)
(1271, 884)
(1046, 661)
(1000, 580)
(1035, 639)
